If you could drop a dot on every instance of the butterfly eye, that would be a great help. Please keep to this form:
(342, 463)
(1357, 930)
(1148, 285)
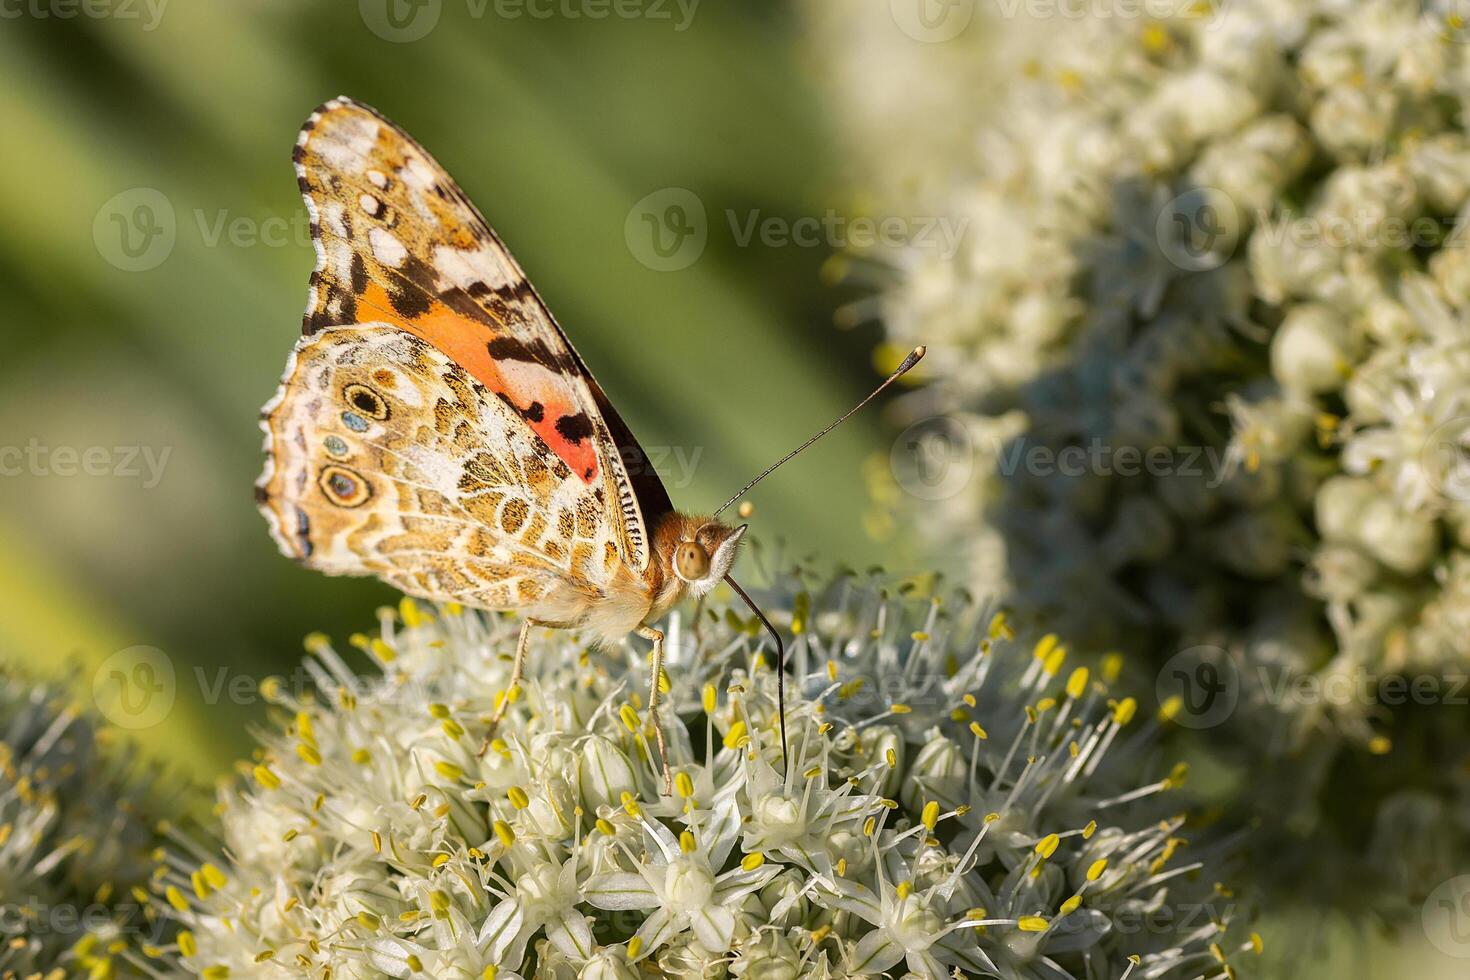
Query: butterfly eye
(366, 400)
(335, 446)
(691, 561)
(344, 487)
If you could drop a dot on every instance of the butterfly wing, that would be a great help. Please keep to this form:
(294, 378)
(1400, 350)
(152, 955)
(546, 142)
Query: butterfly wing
(388, 459)
(398, 242)
(500, 468)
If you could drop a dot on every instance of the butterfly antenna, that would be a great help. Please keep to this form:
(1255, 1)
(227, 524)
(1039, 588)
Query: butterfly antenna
(914, 357)
(780, 662)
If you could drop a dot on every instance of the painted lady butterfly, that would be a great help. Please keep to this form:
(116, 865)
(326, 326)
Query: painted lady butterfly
(435, 428)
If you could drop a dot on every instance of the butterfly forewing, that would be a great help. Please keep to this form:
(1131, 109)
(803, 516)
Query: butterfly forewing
(435, 427)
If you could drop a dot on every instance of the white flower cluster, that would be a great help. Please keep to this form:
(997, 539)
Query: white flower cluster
(1225, 254)
(77, 843)
(949, 802)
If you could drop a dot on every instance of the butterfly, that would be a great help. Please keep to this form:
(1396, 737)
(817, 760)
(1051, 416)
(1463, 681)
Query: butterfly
(435, 427)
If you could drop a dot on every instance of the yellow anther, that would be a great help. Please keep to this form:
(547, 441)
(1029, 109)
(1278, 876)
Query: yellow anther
(504, 833)
(752, 861)
(449, 770)
(832, 670)
(1089, 830)
(710, 699)
(518, 797)
(686, 842)
(892, 757)
(1054, 661)
(900, 709)
(1257, 945)
(1070, 905)
(266, 778)
(1032, 923)
(1045, 646)
(930, 815)
(842, 867)
(905, 889)
(635, 946)
(309, 755)
(1380, 745)
(629, 717)
(1096, 871)
(630, 805)
(382, 650)
(819, 934)
(1124, 711)
(1170, 708)
(176, 898)
(684, 786)
(977, 731)
(1047, 846)
(605, 827)
(812, 773)
(437, 710)
(1077, 683)
(735, 736)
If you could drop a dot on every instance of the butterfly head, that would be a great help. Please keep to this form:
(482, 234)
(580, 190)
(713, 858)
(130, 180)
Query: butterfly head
(700, 552)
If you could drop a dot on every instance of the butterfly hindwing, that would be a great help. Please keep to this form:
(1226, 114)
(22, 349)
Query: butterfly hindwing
(389, 459)
(398, 243)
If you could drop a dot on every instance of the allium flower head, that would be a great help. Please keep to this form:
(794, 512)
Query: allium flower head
(951, 800)
(1207, 346)
(77, 841)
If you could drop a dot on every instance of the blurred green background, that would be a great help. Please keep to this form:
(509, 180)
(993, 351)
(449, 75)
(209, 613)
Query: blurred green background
(169, 341)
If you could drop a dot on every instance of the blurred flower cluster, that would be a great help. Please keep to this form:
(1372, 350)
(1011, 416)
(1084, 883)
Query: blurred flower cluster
(1205, 356)
(78, 841)
(950, 800)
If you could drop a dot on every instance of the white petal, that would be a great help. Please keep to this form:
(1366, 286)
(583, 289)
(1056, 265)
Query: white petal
(619, 890)
(658, 929)
(714, 927)
(876, 953)
(570, 935)
(504, 920)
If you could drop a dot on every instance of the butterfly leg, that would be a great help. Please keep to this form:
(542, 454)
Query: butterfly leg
(656, 673)
(516, 670)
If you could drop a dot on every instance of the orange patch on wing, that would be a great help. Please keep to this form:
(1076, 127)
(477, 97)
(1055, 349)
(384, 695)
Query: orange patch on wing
(467, 344)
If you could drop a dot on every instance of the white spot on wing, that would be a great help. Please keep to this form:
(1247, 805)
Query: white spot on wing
(465, 267)
(387, 249)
